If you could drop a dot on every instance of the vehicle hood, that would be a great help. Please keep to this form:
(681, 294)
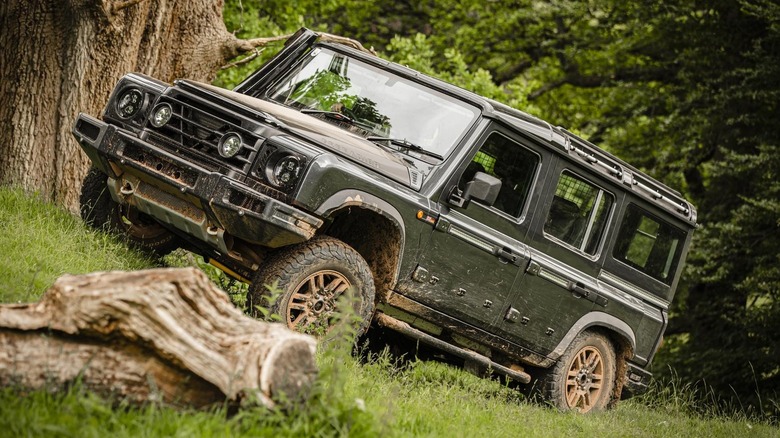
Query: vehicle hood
(324, 134)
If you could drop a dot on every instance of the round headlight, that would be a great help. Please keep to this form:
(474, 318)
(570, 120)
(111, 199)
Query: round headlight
(286, 171)
(161, 115)
(229, 145)
(130, 103)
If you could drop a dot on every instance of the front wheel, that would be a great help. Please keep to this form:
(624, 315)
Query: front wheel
(310, 279)
(100, 211)
(583, 379)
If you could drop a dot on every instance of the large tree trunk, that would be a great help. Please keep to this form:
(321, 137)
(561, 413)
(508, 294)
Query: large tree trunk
(164, 334)
(59, 57)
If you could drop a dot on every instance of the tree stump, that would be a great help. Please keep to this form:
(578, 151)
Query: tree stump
(163, 334)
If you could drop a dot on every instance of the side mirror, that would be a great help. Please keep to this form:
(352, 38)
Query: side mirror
(483, 188)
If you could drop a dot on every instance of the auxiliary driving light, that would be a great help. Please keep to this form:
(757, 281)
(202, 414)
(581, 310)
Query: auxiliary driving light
(229, 145)
(161, 115)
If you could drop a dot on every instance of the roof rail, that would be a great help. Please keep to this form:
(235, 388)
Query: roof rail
(640, 183)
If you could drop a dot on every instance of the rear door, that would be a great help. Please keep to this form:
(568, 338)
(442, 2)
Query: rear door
(564, 248)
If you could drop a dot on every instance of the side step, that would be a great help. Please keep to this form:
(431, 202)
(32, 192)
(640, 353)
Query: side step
(405, 329)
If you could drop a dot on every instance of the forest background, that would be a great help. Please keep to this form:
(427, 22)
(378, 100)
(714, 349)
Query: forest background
(687, 90)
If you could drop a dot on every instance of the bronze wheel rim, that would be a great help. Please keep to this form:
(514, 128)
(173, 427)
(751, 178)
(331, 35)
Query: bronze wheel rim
(584, 380)
(312, 304)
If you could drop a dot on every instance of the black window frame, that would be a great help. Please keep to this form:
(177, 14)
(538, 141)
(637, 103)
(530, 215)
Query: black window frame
(605, 228)
(533, 179)
(672, 264)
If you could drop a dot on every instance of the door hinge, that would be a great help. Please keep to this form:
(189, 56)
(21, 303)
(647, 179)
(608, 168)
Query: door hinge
(420, 275)
(442, 225)
(512, 315)
(534, 268)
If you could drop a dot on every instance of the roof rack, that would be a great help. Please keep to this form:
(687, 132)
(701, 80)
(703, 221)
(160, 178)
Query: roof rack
(640, 183)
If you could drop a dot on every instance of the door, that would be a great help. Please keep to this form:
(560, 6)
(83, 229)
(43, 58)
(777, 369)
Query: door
(560, 285)
(474, 256)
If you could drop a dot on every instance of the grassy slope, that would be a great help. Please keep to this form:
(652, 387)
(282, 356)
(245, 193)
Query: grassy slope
(41, 242)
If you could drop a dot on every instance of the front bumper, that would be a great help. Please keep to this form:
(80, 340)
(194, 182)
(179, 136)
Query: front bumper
(208, 205)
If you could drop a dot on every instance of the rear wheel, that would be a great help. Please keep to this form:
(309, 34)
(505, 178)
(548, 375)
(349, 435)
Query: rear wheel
(310, 279)
(100, 211)
(583, 379)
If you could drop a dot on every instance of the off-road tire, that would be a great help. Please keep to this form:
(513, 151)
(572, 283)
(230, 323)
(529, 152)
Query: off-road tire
(583, 379)
(100, 211)
(95, 202)
(299, 273)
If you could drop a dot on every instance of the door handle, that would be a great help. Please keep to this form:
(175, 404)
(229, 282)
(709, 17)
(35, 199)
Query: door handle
(579, 289)
(505, 255)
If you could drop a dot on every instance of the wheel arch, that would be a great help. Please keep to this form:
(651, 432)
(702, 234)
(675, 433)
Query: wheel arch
(620, 333)
(373, 227)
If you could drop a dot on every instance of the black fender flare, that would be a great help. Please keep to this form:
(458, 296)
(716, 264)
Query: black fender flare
(358, 198)
(596, 319)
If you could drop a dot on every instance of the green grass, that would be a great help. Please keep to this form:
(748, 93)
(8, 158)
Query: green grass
(377, 397)
(40, 242)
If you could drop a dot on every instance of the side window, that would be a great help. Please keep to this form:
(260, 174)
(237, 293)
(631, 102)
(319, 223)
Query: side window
(648, 244)
(579, 213)
(510, 162)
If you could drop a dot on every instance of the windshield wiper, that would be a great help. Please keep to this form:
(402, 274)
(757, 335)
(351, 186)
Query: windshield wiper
(402, 142)
(329, 114)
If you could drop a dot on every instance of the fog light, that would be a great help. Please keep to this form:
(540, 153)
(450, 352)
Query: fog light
(229, 145)
(130, 103)
(161, 115)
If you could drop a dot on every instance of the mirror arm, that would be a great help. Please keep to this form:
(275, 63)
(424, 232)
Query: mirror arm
(457, 200)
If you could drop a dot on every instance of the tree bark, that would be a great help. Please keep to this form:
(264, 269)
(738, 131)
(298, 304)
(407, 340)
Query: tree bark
(61, 57)
(163, 334)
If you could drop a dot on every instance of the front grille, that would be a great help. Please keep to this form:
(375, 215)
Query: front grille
(195, 129)
(242, 200)
(268, 190)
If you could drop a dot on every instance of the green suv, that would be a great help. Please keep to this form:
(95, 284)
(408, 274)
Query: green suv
(455, 220)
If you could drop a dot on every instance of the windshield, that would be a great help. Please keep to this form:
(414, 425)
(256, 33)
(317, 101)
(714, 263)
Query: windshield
(373, 102)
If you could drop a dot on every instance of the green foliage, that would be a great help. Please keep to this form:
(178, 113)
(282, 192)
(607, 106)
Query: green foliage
(731, 308)
(249, 19)
(235, 289)
(418, 53)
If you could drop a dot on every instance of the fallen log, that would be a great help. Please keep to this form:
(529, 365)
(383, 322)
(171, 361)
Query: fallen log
(161, 334)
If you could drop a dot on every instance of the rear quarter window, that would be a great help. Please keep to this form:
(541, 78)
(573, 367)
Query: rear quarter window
(649, 244)
(578, 214)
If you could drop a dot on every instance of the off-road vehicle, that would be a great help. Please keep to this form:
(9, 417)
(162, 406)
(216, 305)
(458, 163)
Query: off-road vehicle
(459, 221)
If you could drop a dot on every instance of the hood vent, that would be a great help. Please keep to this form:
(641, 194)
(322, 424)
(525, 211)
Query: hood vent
(415, 179)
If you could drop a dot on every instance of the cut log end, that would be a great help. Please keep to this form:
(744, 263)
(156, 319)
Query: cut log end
(289, 371)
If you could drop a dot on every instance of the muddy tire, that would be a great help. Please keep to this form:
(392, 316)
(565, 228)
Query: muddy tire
(95, 202)
(310, 278)
(583, 379)
(100, 211)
